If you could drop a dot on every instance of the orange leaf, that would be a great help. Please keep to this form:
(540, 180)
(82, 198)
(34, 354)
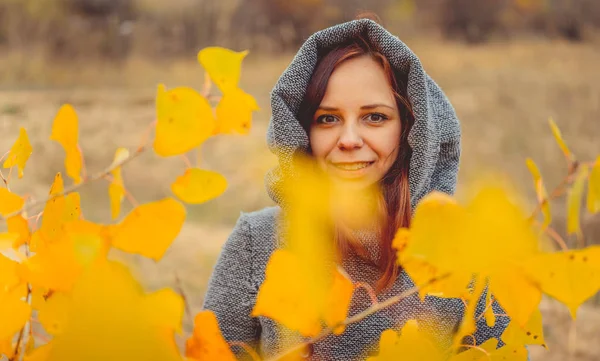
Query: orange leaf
(198, 185)
(150, 229)
(19, 152)
(184, 120)
(207, 343)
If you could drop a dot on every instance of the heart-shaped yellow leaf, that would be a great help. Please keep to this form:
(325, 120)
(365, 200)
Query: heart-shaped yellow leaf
(150, 229)
(19, 152)
(184, 120)
(224, 66)
(198, 185)
(14, 313)
(234, 112)
(571, 277)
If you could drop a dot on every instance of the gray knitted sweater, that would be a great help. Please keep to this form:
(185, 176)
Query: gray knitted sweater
(240, 268)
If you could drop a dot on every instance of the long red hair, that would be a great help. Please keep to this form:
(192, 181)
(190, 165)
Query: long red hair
(394, 203)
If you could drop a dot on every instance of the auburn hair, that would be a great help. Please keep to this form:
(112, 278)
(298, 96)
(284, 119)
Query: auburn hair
(394, 203)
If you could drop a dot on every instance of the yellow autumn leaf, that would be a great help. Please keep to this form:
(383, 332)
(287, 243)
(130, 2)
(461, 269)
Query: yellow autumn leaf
(73, 163)
(198, 185)
(65, 130)
(53, 313)
(593, 197)
(184, 120)
(150, 229)
(108, 307)
(482, 353)
(59, 210)
(8, 273)
(540, 190)
(559, 140)
(18, 225)
(7, 348)
(574, 199)
(285, 295)
(224, 66)
(14, 313)
(338, 302)
(411, 344)
(40, 353)
(164, 308)
(571, 277)
(9, 202)
(234, 112)
(116, 189)
(19, 152)
(530, 334)
(58, 265)
(206, 342)
(477, 239)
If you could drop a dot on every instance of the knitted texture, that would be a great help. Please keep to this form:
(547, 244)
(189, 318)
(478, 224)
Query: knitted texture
(240, 268)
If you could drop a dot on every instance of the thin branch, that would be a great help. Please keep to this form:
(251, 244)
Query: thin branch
(179, 285)
(557, 192)
(358, 317)
(83, 167)
(75, 187)
(130, 198)
(369, 290)
(187, 161)
(20, 339)
(557, 238)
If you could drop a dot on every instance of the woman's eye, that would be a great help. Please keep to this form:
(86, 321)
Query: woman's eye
(376, 117)
(326, 119)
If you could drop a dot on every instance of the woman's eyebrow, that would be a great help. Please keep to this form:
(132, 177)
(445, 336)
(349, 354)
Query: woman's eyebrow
(368, 106)
(377, 105)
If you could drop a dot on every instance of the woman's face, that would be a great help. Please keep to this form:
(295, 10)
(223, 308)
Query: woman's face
(355, 132)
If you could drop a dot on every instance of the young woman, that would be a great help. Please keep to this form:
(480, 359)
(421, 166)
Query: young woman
(357, 100)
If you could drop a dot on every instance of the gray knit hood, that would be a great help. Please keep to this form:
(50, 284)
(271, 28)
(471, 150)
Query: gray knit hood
(434, 137)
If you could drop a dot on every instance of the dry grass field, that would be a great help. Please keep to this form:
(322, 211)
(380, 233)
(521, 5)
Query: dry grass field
(503, 93)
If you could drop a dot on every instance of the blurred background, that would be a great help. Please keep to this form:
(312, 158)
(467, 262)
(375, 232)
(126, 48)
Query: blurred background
(506, 65)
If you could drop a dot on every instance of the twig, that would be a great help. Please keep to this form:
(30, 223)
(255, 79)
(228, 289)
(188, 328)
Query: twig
(358, 317)
(21, 337)
(557, 192)
(557, 238)
(187, 161)
(369, 290)
(188, 310)
(83, 167)
(74, 187)
(130, 198)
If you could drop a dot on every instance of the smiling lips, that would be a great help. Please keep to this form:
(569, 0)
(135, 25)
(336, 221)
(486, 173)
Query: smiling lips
(351, 166)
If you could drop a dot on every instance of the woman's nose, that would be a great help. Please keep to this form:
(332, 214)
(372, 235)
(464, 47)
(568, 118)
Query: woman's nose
(350, 138)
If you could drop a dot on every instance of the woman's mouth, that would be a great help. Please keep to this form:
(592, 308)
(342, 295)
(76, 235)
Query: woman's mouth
(351, 166)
